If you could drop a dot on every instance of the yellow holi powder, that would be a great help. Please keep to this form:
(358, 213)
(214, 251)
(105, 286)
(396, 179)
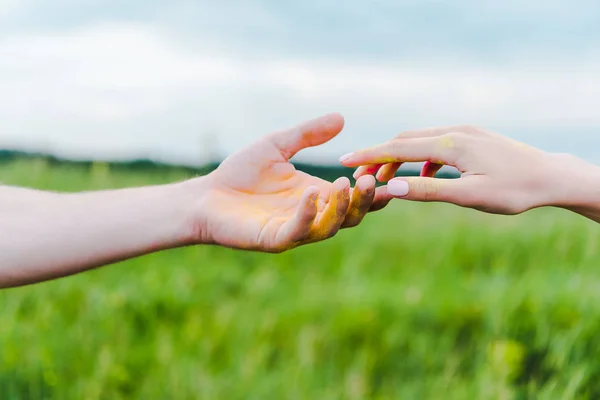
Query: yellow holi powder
(446, 142)
(330, 218)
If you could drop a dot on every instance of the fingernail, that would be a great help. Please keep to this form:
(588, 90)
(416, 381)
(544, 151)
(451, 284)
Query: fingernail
(345, 157)
(397, 188)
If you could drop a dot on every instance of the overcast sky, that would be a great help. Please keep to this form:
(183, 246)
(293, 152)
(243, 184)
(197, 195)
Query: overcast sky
(127, 79)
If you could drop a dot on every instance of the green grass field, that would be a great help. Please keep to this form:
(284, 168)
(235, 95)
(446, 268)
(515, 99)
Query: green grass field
(422, 301)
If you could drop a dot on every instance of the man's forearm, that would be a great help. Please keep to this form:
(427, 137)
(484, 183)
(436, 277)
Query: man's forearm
(47, 235)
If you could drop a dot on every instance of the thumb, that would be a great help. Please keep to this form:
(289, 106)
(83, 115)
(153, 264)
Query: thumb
(426, 189)
(308, 134)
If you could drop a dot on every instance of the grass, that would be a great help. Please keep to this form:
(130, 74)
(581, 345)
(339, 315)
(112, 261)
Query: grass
(422, 301)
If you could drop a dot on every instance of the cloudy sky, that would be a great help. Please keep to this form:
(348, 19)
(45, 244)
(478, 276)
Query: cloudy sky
(183, 79)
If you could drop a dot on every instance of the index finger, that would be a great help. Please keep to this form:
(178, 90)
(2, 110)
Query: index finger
(438, 150)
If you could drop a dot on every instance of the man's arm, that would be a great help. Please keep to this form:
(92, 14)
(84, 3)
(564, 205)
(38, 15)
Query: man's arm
(499, 175)
(256, 200)
(48, 235)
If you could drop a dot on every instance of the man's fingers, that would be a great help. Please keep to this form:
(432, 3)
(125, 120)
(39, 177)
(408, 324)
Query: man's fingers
(331, 219)
(381, 200)
(430, 169)
(308, 134)
(298, 228)
(388, 171)
(361, 201)
(440, 150)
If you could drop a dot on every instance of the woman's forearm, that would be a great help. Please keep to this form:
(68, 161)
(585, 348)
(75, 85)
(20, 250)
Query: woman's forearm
(577, 186)
(48, 235)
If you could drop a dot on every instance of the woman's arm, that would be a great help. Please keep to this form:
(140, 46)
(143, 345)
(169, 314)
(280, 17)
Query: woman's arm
(499, 175)
(256, 200)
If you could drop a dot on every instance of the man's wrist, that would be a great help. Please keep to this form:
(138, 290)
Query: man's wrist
(192, 195)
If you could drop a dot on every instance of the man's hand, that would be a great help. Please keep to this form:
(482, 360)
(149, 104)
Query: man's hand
(257, 200)
(499, 175)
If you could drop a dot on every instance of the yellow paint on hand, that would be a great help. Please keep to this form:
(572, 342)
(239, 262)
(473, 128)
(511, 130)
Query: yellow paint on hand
(329, 218)
(446, 142)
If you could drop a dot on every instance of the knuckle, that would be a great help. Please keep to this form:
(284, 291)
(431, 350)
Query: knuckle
(450, 144)
(404, 134)
(428, 188)
(392, 145)
(470, 129)
(458, 138)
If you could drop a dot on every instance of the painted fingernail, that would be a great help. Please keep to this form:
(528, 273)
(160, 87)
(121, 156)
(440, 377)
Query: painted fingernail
(345, 157)
(397, 188)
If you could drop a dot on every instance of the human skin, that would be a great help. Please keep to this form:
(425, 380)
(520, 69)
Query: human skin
(256, 200)
(499, 175)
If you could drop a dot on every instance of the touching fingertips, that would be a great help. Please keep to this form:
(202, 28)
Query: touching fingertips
(398, 188)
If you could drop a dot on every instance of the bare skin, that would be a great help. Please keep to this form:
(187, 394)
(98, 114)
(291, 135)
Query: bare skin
(499, 175)
(256, 200)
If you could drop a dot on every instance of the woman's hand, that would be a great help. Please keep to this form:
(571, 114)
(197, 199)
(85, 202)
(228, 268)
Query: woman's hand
(257, 200)
(499, 175)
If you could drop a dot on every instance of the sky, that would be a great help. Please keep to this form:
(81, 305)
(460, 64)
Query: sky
(187, 81)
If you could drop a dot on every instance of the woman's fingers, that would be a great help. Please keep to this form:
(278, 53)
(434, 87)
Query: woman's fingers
(440, 150)
(389, 168)
(430, 169)
(388, 171)
(366, 170)
(462, 192)
(361, 201)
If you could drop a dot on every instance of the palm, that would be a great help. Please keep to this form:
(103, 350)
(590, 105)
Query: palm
(257, 200)
(262, 202)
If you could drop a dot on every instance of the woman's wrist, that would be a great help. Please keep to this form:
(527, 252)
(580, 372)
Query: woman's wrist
(574, 184)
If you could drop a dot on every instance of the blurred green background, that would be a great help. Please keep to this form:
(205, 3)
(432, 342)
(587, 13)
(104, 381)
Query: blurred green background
(421, 301)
